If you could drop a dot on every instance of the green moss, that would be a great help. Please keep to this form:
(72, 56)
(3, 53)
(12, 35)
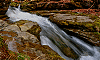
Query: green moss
(37, 13)
(54, 57)
(96, 33)
(74, 13)
(97, 22)
(18, 56)
(35, 30)
(25, 3)
(21, 22)
(12, 55)
(22, 56)
(64, 22)
(84, 25)
(63, 12)
(13, 3)
(3, 44)
(49, 53)
(70, 53)
(72, 1)
(92, 16)
(23, 7)
(1, 41)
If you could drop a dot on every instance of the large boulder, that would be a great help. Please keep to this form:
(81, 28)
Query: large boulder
(21, 28)
(29, 26)
(28, 37)
(14, 28)
(26, 26)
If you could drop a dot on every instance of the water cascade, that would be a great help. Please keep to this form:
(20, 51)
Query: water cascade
(54, 37)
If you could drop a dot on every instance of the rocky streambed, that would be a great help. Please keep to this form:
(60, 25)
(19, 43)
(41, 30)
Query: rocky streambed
(83, 26)
(23, 36)
(20, 40)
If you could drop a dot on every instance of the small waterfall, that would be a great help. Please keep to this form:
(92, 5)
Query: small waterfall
(54, 37)
(19, 7)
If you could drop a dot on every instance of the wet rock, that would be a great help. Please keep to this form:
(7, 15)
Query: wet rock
(3, 49)
(46, 14)
(35, 30)
(72, 18)
(81, 26)
(13, 34)
(26, 26)
(14, 28)
(3, 24)
(29, 26)
(32, 6)
(36, 51)
(28, 37)
(20, 26)
(6, 53)
(9, 38)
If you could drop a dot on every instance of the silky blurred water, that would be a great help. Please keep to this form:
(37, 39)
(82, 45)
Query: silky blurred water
(53, 36)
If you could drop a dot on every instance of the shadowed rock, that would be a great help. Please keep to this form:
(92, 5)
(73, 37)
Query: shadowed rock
(4, 4)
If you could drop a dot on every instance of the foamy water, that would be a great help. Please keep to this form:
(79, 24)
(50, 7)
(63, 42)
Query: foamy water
(50, 32)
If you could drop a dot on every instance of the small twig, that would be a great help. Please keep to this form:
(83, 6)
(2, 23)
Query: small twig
(92, 5)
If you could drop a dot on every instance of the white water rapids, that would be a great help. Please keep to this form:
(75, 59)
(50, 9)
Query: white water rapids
(53, 36)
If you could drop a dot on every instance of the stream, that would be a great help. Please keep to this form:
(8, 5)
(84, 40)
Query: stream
(54, 37)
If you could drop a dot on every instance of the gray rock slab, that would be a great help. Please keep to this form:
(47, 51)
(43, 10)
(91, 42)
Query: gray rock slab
(28, 37)
(14, 28)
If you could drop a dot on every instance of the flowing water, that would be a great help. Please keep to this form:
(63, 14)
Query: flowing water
(54, 37)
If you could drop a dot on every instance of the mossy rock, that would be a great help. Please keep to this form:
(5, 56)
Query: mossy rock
(70, 53)
(32, 49)
(21, 22)
(13, 4)
(89, 31)
(88, 26)
(3, 16)
(35, 30)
